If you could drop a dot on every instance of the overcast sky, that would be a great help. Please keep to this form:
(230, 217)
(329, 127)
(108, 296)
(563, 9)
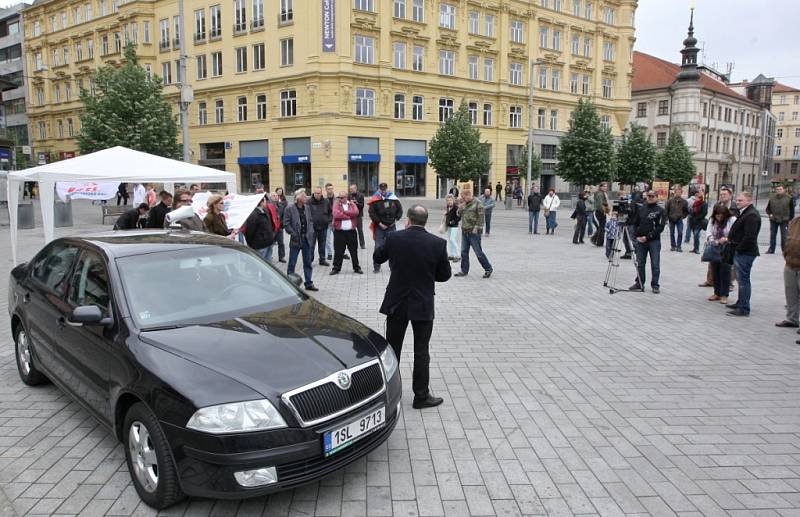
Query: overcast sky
(757, 36)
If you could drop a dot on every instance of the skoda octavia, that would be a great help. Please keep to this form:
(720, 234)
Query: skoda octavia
(220, 378)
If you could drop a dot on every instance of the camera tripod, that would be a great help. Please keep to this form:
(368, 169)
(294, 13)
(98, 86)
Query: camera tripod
(613, 262)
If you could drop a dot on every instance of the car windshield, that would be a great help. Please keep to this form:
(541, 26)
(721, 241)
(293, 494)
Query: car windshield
(200, 284)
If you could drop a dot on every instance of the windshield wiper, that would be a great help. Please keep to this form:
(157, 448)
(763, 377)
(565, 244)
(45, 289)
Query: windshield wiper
(164, 327)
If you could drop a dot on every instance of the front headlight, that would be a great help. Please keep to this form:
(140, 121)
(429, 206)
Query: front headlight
(389, 362)
(237, 417)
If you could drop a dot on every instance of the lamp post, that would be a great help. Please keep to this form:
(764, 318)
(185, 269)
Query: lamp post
(530, 131)
(185, 92)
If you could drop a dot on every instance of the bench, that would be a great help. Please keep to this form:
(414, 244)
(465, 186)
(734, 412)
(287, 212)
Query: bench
(113, 211)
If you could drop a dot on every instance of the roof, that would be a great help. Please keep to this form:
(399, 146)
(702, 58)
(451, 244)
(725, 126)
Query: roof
(126, 243)
(652, 73)
(784, 88)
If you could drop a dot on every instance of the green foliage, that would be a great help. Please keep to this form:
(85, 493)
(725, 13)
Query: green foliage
(636, 157)
(586, 153)
(674, 163)
(127, 109)
(522, 164)
(456, 152)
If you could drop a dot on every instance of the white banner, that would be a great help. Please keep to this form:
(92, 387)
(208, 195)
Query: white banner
(237, 207)
(80, 190)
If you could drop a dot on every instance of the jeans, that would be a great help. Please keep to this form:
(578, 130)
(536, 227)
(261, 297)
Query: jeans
(281, 245)
(329, 242)
(590, 222)
(773, 235)
(308, 259)
(472, 240)
(533, 221)
(380, 238)
(653, 248)
(609, 247)
(580, 229)
(266, 253)
(488, 221)
(696, 232)
(743, 265)
(551, 221)
(599, 236)
(689, 230)
(498, 196)
(452, 242)
(320, 236)
(396, 325)
(721, 278)
(673, 226)
(791, 287)
(345, 239)
(360, 230)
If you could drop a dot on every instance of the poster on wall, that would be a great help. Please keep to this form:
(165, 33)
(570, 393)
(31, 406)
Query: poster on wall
(661, 188)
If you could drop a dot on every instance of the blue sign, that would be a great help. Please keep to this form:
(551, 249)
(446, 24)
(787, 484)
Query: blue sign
(296, 158)
(364, 158)
(329, 25)
(408, 158)
(6, 153)
(253, 160)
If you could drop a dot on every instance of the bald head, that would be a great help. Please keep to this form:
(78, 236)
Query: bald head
(417, 215)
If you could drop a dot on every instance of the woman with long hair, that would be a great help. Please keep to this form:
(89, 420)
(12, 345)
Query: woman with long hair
(214, 219)
(697, 218)
(451, 220)
(720, 225)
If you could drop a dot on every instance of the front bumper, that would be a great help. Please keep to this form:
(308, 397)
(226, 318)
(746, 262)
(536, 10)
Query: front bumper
(206, 463)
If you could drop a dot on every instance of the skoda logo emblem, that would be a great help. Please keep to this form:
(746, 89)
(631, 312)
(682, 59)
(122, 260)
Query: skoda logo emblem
(344, 380)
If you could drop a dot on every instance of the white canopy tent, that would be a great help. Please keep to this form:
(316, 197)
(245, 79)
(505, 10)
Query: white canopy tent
(114, 164)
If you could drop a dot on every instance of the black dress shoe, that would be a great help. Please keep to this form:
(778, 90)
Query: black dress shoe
(738, 312)
(626, 256)
(346, 256)
(311, 287)
(324, 263)
(358, 271)
(363, 247)
(282, 260)
(732, 305)
(460, 273)
(487, 274)
(636, 288)
(786, 324)
(376, 270)
(334, 271)
(429, 401)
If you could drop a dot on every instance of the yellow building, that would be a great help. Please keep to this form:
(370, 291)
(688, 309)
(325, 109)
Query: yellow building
(298, 92)
(786, 155)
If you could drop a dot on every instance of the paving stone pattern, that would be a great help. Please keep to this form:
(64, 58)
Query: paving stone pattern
(560, 399)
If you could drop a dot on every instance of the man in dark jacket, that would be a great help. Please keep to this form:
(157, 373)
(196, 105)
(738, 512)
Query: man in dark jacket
(498, 192)
(677, 210)
(297, 223)
(358, 198)
(743, 238)
(384, 211)
(130, 219)
(259, 230)
(579, 214)
(417, 260)
(534, 205)
(779, 209)
(321, 215)
(649, 221)
(155, 218)
(602, 206)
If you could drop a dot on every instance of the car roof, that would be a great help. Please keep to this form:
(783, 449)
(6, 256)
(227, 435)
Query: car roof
(139, 242)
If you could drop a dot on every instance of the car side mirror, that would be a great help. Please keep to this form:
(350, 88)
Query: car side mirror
(296, 280)
(87, 315)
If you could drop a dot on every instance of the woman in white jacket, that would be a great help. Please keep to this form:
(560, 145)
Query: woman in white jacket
(717, 235)
(550, 206)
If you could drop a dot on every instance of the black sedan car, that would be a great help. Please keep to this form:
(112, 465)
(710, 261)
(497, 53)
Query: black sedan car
(218, 375)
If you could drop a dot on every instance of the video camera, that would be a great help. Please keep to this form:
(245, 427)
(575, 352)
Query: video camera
(623, 208)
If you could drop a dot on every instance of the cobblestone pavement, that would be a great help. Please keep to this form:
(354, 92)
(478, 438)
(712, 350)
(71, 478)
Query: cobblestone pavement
(560, 399)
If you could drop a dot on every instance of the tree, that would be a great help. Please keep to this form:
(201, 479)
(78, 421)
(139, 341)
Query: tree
(636, 157)
(586, 152)
(127, 109)
(522, 164)
(674, 163)
(456, 151)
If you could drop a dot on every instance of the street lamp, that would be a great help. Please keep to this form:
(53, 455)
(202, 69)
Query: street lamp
(530, 128)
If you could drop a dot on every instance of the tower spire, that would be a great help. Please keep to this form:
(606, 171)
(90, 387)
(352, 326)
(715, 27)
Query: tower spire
(689, 52)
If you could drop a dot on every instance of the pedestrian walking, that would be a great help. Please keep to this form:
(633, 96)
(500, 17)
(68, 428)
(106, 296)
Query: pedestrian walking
(278, 200)
(791, 276)
(384, 212)
(717, 236)
(779, 208)
(417, 260)
(509, 196)
(488, 206)
(602, 207)
(471, 212)
(345, 235)
(259, 230)
(550, 203)
(297, 221)
(649, 221)
(534, 206)
(697, 219)
(743, 238)
(358, 198)
(589, 202)
(451, 221)
(579, 214)
(321, 216)
(677, 210)
(518, 194)
(498, 189)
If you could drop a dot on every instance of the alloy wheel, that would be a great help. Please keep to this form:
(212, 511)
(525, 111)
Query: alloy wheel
(24, 351)
(143, 456)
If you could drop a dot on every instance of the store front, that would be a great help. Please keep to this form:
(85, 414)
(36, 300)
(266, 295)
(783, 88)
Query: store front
(363, 161)
(410, 166)
(253, 165)
(296, 161)
(212, 155)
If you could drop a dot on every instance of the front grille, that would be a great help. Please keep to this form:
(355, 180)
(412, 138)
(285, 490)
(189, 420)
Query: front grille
(328, 399)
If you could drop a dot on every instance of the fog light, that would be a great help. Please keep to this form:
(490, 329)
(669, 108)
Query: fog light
(257, 477)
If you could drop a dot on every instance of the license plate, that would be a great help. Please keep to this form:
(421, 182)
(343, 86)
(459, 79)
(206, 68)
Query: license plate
(347, 434)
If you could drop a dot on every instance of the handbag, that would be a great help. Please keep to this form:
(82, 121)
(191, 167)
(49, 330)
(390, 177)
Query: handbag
(546, 212)
(711, 253)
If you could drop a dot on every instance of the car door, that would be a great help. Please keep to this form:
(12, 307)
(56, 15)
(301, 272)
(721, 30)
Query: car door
(44, 302)
(88, 350)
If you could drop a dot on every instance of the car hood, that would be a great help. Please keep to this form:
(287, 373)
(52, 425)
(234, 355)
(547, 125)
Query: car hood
(273, 352)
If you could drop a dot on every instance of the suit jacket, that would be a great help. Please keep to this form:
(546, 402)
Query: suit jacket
(155, 218)
(291, 223)
(744, 232)
(128, 221)
(418, 260)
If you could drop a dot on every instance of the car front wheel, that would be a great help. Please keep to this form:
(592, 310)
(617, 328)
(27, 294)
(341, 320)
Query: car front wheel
(149, 460)
(28, 372)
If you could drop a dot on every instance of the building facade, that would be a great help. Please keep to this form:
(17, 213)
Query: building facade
(344, 91)
(14, 124)
(722, 128)
(786, 154)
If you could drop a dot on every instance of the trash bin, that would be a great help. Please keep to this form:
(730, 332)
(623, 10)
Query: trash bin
(25, 216)
(63, 214)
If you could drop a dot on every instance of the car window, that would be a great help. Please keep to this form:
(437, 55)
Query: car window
(200, 284)
(89, 284)
(52, 267)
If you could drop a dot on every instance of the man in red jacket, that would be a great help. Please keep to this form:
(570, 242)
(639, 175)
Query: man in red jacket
(345, 220)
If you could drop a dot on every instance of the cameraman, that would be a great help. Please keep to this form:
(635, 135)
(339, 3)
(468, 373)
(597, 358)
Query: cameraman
(648, 221)
(627, 209)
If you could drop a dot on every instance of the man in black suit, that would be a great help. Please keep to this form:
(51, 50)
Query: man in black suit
(130, 219)
(417, 260)
(155, 218)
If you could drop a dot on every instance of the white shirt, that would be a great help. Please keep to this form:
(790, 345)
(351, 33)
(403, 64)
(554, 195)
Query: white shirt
(551, 202)
(347, 224)
(138, 194)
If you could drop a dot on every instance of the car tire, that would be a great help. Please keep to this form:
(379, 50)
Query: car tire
(28, 372)
(149, 460)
